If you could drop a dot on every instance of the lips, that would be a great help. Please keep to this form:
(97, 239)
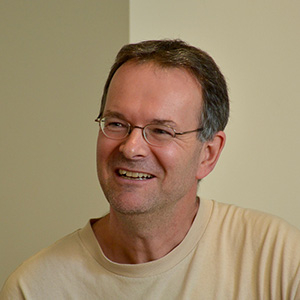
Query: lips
(134, 175)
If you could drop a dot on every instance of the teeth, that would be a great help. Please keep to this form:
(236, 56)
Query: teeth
(135, 175)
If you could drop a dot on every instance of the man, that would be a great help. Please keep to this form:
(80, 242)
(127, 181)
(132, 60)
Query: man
(163, 112)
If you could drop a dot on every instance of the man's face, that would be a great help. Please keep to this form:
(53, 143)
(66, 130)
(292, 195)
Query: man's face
(142, 94)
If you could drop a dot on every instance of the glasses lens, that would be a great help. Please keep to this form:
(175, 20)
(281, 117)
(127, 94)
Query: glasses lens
(114, 128)
(159, 135)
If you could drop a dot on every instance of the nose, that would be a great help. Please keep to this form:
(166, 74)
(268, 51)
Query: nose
(135, 146)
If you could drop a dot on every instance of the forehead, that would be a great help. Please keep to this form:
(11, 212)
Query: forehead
(151, 91)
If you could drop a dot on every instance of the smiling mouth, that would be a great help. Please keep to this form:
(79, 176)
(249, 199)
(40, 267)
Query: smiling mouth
(134, 175)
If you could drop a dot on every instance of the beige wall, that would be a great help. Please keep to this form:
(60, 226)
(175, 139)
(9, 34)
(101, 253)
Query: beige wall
(55, 56)
(257, 45)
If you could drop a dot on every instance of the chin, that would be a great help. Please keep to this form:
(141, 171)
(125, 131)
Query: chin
(130, 204)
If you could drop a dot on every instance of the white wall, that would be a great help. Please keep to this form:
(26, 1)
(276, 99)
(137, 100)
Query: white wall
(55, 56)
(257, 46)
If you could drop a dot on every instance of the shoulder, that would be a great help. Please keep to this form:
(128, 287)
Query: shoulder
(258, 227)
(251, 218)
(42, 266)
(65, 247)
(257, 249)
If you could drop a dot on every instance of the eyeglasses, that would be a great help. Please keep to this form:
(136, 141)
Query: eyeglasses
(154, 134)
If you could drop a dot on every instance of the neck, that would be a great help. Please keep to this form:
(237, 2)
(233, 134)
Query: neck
(143, 237)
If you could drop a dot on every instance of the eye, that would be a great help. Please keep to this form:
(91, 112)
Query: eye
(161, 131)
(115, 124)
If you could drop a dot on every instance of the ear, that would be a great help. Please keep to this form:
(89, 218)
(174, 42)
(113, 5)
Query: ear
(210, 154)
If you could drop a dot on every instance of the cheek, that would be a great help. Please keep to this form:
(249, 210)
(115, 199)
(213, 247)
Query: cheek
(169, 158)
(100, 148)
(104, 149)
(180, 160)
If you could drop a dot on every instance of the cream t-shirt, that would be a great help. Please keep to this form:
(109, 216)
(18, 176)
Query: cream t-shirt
(229, 253)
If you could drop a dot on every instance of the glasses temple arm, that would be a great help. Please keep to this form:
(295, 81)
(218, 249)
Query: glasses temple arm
(181, 133)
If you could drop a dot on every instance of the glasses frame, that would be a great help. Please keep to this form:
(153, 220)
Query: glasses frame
(101, 120)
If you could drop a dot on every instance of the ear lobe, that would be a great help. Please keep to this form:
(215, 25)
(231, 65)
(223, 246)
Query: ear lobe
(210, 154)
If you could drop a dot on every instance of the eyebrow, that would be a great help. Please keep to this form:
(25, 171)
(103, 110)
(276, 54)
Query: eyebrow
(110, 113)
(163, 122)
